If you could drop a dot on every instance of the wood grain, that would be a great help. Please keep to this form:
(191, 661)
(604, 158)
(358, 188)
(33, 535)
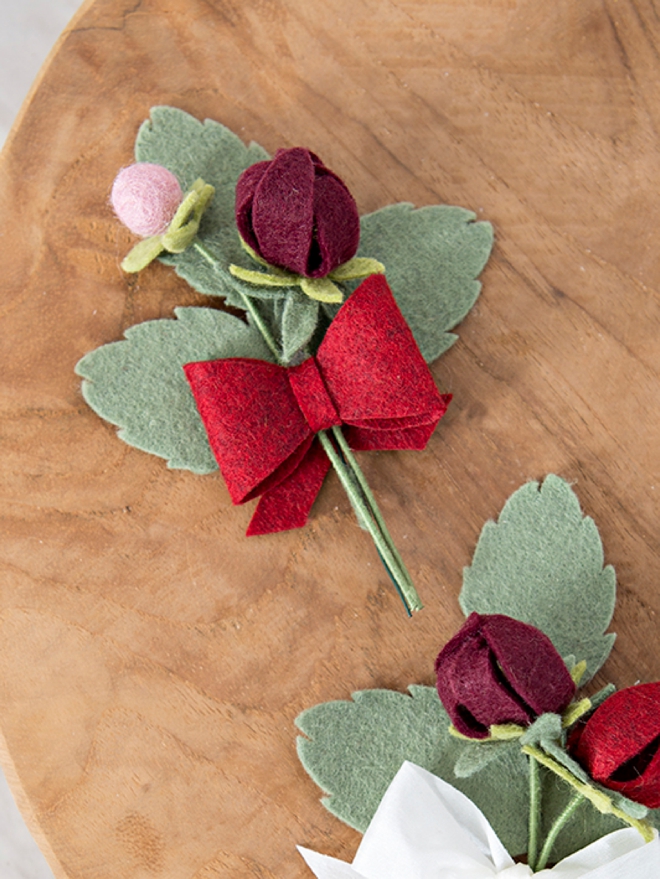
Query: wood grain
(152, 660)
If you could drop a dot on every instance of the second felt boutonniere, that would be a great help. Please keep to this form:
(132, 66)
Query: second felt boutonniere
(342, 315)
(515, 759)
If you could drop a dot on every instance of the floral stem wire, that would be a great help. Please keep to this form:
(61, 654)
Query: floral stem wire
(353, 480)
(350, 475)
(534, 812)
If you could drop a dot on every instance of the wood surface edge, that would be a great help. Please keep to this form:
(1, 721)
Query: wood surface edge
(43, 70)
(26, 810)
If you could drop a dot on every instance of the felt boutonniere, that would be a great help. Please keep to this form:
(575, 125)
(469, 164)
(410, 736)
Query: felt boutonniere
(342, 314)
(549, 773)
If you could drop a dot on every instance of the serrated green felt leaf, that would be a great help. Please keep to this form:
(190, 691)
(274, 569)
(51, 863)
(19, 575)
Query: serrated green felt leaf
(542, 563)
(432, 256)
(191, 149)
(139, 384)
(300, 317)
(354, 749)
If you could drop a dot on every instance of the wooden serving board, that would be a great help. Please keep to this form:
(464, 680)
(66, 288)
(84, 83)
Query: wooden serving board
(152, 659)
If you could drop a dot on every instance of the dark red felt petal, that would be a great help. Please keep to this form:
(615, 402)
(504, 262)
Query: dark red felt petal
(370, 361)
(530, 663)
(236, 399)
(283, 210)
(289, 503)
(245, 189)
(336, 226)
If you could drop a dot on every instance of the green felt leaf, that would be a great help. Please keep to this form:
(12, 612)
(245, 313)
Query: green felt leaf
(191, 149)
(432, 256)
(542, 563)
(139, 384)
(353, 750)
(300, 317)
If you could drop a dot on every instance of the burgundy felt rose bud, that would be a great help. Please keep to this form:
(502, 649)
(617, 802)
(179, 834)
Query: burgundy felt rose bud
(497, 670)
(619, 745)
(296, 214)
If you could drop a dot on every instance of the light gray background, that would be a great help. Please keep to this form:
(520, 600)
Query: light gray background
(28, 31)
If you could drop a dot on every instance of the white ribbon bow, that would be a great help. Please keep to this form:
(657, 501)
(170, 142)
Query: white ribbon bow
(426, 829)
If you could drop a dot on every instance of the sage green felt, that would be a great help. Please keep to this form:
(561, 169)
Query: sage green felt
(191, 149)
(432, 256)
(300, 317)
(542, 563)
(354, 749)
(139, 384)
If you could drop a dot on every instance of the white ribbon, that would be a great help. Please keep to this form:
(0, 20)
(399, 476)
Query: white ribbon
(426, 829)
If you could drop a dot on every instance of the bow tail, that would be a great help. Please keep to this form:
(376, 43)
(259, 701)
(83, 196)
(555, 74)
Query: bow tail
(287, 504)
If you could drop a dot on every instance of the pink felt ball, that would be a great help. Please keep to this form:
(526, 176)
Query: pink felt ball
(145, 198)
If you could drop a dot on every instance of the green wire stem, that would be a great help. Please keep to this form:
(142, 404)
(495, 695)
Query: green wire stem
(349, 472)
(379, 535)
(551, 838)
(534, 812)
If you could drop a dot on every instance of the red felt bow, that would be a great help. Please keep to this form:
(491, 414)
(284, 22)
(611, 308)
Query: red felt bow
(261, 419)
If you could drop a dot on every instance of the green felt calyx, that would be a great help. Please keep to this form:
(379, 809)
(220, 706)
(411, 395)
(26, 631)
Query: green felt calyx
(179, 235)
(321, 289)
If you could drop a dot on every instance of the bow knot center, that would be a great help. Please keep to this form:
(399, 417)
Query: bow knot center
(312, 396)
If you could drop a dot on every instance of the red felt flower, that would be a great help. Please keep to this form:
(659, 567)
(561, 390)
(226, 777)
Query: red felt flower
(295, 213)
(498, 670)
(619, 744)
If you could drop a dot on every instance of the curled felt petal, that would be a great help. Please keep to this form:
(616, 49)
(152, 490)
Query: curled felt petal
(497, 670)
(245, 189)
(619, 744)
(337, 226)
(145, 198)
(283, 210)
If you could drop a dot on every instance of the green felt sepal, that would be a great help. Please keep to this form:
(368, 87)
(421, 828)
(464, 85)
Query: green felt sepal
(142, 254)
(319, 289)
